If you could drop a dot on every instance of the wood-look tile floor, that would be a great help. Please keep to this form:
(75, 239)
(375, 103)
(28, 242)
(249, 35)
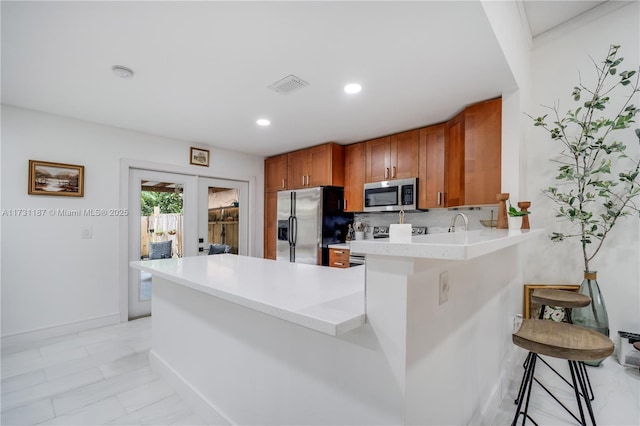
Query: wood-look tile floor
(102, 376)
(93, 377)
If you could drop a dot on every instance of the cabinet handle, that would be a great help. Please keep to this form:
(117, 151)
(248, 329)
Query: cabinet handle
(345, 204)
(283, 183)
(439, 198)
(338, 263)
(307, 180)
(302, 180)
(338, 252)
(394, 172)
(386, 173)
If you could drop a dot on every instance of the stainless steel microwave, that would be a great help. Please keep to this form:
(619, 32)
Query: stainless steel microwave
(391, 195)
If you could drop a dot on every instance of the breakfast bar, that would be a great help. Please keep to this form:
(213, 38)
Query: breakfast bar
(255, 341)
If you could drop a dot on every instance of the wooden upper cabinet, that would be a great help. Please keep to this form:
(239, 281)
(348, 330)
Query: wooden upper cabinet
(317, 166)
(392, 157)
(378, 159)
(275, 173)
(354, 176)
(454, 162)
(431, 170)
(404, 154)
(483, 152)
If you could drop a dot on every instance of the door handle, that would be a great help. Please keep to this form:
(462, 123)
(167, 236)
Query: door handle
(394, 172)
(295, 230)
(439, 202)
(290, 233)
(302, 180)
(386, 173)
(283, 183)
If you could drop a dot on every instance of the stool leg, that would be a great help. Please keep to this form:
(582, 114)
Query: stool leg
(522, 383)
(583, 387)
(527, 381)
(583, 368)
(575, 378)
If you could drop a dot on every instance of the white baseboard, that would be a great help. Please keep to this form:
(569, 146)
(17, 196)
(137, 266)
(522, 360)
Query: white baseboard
(60, 329)
(194, 399)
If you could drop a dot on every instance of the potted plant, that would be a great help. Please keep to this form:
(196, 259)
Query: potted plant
(597, 181)
(516, 217)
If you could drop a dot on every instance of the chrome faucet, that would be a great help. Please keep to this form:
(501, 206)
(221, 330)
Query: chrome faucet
(452, 228)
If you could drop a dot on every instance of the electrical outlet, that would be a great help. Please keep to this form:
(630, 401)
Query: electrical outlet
(443, 294)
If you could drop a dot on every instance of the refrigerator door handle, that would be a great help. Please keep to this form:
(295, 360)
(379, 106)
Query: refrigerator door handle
(294, 230)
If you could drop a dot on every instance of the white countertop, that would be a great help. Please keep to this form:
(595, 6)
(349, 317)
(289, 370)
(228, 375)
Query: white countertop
(343, 246)
(329, 300)
(453, 246)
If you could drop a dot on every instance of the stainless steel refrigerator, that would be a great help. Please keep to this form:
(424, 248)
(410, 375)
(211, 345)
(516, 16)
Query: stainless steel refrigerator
(308, 221)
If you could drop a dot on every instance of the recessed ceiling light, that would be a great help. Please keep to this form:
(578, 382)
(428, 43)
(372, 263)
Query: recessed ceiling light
(122, 72)
(263, 122)
(352, 88)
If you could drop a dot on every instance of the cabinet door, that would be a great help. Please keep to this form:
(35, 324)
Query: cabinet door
(482, 152)
(431, 167)
(270, 224)
(404, 155)
(355, 158)
(319, 166)
(297, 169)
(378, 165)
(454, 162)
(275, 173)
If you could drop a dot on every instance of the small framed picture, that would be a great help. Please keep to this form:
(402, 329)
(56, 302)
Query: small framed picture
(60, 179)
(532, 310)
(199, 157)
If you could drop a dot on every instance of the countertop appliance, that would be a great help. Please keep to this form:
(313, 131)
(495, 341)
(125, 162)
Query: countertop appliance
(391, 195)
(308, 221)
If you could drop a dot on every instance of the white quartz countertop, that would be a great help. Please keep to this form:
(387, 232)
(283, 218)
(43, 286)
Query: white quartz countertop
(453, 246)
(343, 246)
(329, 300)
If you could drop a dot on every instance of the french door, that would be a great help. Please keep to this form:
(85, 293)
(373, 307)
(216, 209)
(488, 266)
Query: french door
(223, 216)
(162, 225)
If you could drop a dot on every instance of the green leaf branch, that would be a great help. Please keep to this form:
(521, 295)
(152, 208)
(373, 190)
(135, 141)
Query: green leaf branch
(588, 193)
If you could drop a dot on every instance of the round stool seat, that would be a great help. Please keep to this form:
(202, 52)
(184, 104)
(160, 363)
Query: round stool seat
(562, 340)
(560, 298)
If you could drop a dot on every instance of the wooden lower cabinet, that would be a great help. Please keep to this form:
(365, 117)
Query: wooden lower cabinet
(338, 258)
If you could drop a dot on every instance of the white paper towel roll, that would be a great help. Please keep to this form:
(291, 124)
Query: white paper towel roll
(400, 233)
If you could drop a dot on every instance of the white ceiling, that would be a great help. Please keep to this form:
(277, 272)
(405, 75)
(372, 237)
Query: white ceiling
(202, 68)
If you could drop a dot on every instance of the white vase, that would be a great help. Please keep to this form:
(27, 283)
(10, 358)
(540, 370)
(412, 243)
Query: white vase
(515, 222)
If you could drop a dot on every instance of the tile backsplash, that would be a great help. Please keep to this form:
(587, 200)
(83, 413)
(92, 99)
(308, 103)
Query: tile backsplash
(436, 220)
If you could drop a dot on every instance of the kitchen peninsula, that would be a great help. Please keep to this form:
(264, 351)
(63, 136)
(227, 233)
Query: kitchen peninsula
(266, 342)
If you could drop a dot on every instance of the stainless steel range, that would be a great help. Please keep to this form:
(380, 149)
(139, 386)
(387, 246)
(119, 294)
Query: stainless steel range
(383, 231)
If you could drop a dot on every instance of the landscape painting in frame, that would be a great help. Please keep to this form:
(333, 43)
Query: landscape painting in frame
(47, 178)
(199, 157)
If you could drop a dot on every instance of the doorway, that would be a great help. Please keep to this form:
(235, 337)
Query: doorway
(136, 299)
(163, 216)
(223, 216)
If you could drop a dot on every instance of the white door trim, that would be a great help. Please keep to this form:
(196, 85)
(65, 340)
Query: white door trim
(123, 238)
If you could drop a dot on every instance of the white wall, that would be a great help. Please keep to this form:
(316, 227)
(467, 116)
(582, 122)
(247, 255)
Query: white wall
(49, 275)
(556, 59)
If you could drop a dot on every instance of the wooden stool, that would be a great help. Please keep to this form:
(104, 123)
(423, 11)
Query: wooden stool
(566, 300)
(564, 341)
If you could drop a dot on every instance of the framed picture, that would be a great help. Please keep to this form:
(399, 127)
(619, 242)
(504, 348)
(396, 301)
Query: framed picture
(65, 180)
(199, 157)
(532, 310)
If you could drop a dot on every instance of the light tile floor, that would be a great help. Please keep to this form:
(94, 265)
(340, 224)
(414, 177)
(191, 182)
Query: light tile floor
(616, 389)
(94, 377)
(102, 376)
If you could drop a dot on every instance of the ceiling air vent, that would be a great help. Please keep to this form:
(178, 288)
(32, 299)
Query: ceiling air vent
(288, 84)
